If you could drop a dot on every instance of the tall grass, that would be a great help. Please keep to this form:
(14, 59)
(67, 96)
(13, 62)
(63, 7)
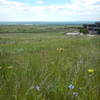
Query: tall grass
(34, 68)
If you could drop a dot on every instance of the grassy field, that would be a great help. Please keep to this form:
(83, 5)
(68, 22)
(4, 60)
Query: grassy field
(49, 67)
(38, 28)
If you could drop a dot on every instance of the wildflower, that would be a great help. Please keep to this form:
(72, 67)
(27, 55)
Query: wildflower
(71, 86)
(37, 88)
(10, 67)
(57, 49)
(75, 94)
(90, 70)
(34, 87)
(60, 49)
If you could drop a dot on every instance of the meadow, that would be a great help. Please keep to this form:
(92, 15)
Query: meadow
(45, 66)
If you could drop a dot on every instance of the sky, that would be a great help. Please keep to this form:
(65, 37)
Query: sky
(49, 10)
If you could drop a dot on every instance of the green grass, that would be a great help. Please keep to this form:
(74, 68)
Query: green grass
(31, 67)
(38, 28)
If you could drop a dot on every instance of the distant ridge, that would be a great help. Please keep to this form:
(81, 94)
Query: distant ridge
(50, 23)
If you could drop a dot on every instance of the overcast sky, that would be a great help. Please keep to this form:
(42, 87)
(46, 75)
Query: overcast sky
(49, 10)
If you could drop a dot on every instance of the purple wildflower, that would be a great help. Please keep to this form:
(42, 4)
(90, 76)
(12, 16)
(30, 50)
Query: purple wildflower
(71, 86)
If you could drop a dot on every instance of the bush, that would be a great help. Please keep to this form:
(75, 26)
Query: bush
(84, 31)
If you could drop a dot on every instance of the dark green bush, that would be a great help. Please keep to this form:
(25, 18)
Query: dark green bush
(84, 31)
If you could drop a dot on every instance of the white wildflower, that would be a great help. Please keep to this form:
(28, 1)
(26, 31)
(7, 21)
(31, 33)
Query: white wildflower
(75, 94)
(37, 88)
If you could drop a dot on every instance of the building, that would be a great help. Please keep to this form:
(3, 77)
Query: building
(92, 28)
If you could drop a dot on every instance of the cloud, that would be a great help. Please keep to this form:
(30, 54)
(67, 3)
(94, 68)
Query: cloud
(40, 1)
(20, 10)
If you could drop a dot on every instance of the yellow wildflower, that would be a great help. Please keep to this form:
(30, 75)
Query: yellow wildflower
(60, 49)
(57, 49)
(90, 70)
(10, 67)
